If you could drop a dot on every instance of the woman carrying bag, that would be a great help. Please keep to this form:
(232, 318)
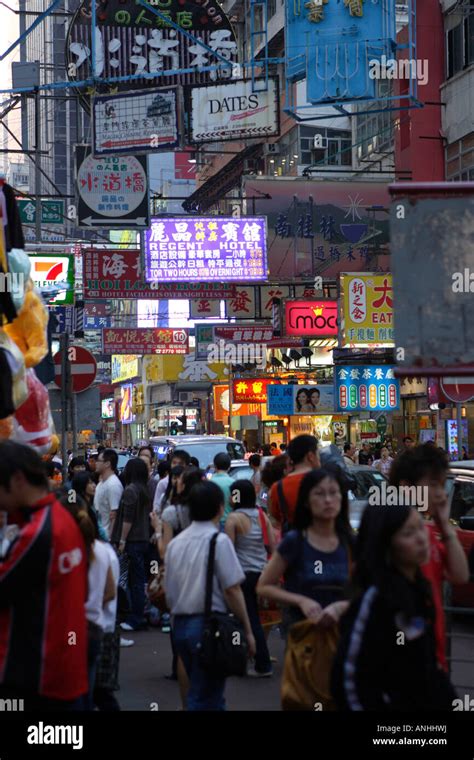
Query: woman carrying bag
(189, 558)
(315, 561)
(246, 527)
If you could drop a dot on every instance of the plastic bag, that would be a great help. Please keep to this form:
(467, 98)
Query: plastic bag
(32, 422)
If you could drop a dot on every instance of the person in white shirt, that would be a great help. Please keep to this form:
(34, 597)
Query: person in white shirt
(106, 681)
(180, 458)
(109, 489)
(185, 586)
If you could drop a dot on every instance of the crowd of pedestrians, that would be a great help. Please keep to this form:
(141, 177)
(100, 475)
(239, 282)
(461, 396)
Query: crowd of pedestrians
(81, 559)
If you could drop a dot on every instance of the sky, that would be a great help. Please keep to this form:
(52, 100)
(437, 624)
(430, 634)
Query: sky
(9, 32)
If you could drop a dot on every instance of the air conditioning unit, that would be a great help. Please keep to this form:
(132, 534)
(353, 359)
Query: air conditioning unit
(271, 149)
(185, 398)
(320, 142)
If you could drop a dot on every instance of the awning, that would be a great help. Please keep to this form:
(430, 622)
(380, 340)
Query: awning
(217, 186)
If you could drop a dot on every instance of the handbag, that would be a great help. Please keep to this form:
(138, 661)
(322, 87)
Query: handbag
(269, 611)
(156, 590)
(223, 650)
(306, 680)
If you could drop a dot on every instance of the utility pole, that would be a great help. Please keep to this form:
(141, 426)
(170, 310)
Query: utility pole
(64, 347)
(38, 164)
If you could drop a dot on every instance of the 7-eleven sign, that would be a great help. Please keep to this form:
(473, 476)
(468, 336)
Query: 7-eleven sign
(53, 275)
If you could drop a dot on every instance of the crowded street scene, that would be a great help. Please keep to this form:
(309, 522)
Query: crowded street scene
(237, 370)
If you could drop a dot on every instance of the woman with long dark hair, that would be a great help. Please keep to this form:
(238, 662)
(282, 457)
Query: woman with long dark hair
(83, 484)
(131, 535)
(246, 527)
(176, 517)
(315, 557)
(387, 653)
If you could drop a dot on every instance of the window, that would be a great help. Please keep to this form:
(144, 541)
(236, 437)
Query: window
(455, 50)
(460, 44)
(463, 498)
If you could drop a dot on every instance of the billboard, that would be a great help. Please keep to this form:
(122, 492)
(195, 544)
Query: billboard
(135, 122)
(312, 318)
(224, 249)
(112, 191)
(367, 310)
(331, 43)
(118, 274)
(366, 388)
(286, 399)
(107, 408)
(331, 227)
(126, 414)
(123, 368)
(235, 111)
(251, 391)
(53, 275)
(132, 40)
(145, 340)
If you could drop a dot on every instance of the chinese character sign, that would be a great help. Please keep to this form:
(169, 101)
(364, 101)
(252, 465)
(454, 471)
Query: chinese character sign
(288, 399)
(367, 317)
(341, 38)
(132, 40)
(367, 389)
(135, 122)
(111, 190)
(253, 390)
(214, 249)
(142, 340)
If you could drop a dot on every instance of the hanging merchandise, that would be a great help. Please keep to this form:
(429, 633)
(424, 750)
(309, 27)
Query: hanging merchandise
(28, 330)
(7, 307)
(19, 268)
(25, 414)
(32, 422)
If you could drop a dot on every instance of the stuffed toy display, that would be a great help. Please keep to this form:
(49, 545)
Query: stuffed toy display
(25, 414)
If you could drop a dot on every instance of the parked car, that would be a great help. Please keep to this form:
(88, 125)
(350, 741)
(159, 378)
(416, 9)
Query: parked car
(460, 489)
(203, 447)
(365, 478)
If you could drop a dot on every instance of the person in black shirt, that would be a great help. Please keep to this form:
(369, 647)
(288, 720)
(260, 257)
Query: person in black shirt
(386, 658)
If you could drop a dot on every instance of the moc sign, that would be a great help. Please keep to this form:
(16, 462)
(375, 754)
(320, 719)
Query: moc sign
(316, 319)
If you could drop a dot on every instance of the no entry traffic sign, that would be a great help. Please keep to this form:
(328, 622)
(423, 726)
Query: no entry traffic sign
(458, 389)
(83, 368)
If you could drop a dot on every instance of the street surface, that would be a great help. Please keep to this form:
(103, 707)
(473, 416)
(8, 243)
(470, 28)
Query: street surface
(144, 666)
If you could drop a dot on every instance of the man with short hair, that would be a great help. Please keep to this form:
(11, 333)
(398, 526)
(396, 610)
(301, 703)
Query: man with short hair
(303, 454)
(408, 443)
(179, 458)
(365, 455)
(349, 454)
(256, 479)
(109, 489)
(222, 479)
(43, 583)
(148, 455)
(186, 562)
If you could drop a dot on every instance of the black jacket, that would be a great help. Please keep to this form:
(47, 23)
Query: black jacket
(385, 662)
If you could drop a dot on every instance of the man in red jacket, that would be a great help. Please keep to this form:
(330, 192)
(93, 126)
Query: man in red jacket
(43, 587)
